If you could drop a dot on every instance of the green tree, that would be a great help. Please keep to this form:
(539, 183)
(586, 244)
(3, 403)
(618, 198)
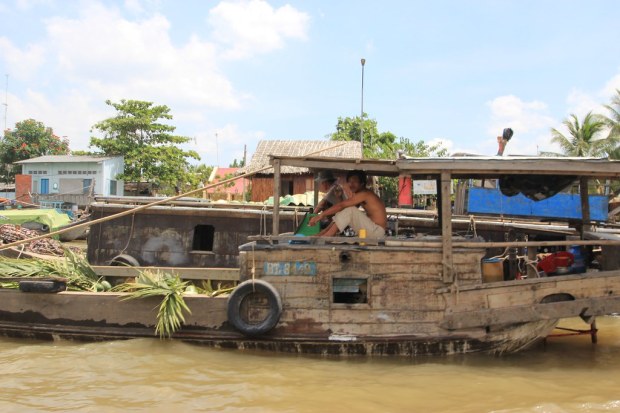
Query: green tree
(584, 137)
(29, 139)
(150, 148)
(199, 174)
(613, 123)
(237, 163)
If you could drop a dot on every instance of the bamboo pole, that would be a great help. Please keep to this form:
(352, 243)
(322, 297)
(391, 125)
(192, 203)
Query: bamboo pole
(152, 204)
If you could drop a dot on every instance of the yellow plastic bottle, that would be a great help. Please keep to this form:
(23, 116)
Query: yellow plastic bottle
(362, 234)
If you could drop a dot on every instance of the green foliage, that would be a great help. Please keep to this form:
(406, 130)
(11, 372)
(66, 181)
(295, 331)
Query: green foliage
(170, 287)
(584, 137)
(237, 163)
(83, 153)
(613, 123)
(29, 139)
(197, 174)
(382, 145)
(150, 148)
(74, 268)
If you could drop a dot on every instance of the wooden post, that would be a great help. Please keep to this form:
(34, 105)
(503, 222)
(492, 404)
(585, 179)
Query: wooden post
(276, 197)
(585, 205)
(446, 227)
(531, 256)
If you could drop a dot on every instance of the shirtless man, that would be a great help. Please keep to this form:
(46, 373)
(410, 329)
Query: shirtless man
(347, 213)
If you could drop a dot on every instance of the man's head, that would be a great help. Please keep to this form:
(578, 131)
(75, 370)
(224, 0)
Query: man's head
(356, 180)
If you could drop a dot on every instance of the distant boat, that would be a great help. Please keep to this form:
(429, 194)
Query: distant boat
(75, 233)
(40, 220)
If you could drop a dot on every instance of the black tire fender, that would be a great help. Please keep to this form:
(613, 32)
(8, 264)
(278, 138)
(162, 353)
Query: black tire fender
(42, 286)
(124, 260)
(246, 289)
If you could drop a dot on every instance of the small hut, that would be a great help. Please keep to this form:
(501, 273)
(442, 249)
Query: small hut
(294, 180)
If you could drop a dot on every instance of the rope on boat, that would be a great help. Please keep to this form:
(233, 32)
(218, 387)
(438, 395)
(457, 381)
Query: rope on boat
(133, 218)
(155, 203)
(472, 225)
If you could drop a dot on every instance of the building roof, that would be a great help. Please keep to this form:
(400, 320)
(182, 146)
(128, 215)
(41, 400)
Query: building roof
(219, 174)
(67, 159)
(260, 159)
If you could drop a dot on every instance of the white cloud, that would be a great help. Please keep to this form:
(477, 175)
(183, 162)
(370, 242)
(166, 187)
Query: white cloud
(100, 53)
(530, 122)
(22, 64)
(581, 103)
(213, 149)
(118, 58)
(609, 90)
(252, 27)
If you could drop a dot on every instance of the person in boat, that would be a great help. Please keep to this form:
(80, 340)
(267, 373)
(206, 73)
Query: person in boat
(334, 193)
(347, 212)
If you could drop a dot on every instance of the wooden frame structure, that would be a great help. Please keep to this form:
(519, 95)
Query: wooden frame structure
(447, 168)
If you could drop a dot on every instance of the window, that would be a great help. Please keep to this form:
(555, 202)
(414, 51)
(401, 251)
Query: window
(86, 183)
(203, 238)
(287, 187)
(112, 187)
(350, 290)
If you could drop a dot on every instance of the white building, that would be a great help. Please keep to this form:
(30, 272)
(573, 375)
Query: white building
(73, 175)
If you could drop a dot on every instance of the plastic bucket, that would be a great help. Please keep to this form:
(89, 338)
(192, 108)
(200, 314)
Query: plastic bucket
(492, 270)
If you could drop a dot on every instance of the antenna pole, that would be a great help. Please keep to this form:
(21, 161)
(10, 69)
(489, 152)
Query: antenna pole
(6, 99)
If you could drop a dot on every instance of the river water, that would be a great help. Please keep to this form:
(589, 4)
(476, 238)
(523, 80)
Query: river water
(568, 374)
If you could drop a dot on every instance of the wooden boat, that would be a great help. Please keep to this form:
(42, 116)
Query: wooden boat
(77, 231)
(188, 232)
(401, 296)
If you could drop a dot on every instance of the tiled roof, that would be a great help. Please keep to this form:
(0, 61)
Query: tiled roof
(66, 158)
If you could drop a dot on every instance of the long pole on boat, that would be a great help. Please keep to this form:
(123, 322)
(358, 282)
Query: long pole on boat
(155, 203)
(363, 61)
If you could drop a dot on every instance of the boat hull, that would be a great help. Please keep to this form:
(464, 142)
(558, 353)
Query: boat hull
(85, 316)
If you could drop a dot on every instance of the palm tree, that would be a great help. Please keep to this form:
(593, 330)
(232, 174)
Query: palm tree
(613, 123)
(583, 139)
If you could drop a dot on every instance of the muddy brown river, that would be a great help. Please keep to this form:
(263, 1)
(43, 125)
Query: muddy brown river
(568, 374)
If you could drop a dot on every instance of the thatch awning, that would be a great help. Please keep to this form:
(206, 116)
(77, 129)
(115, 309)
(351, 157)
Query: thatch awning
(265, 149)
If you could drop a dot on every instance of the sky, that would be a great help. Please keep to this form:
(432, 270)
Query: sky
(236, 72)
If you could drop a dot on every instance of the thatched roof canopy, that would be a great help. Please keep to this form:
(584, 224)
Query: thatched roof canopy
(265, 149)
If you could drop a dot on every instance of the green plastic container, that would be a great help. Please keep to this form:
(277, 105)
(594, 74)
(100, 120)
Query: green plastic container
(305, 229)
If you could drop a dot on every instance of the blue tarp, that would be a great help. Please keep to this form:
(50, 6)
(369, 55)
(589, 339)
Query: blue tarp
(562, 205)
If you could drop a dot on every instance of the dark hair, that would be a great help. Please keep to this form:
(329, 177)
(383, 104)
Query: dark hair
(361, 175)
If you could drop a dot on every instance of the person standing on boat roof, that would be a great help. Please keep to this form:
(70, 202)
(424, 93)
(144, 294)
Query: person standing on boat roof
(347, 213)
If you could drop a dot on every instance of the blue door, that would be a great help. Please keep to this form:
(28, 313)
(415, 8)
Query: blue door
(45, 186)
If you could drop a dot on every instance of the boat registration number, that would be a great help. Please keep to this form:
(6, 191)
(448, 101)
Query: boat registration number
(289, 268)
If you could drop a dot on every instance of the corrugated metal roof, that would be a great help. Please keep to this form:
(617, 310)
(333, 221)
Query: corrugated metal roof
(260, 159)
(67, 159)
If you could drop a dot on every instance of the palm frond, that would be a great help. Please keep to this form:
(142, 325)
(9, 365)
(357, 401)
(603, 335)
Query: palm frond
(75, 269)
(170, 315)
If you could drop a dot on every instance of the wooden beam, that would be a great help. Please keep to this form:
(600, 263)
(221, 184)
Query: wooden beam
(276, 197)
(187, 273)
(446, 228)
(585, 206)
(529, 313)
(350, 241)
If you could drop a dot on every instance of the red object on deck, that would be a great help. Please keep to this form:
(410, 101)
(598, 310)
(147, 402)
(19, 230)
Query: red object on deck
(405, 196)
(551, 262)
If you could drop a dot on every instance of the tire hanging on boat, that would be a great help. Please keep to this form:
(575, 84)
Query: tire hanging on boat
(243, 291)
(124, 260)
